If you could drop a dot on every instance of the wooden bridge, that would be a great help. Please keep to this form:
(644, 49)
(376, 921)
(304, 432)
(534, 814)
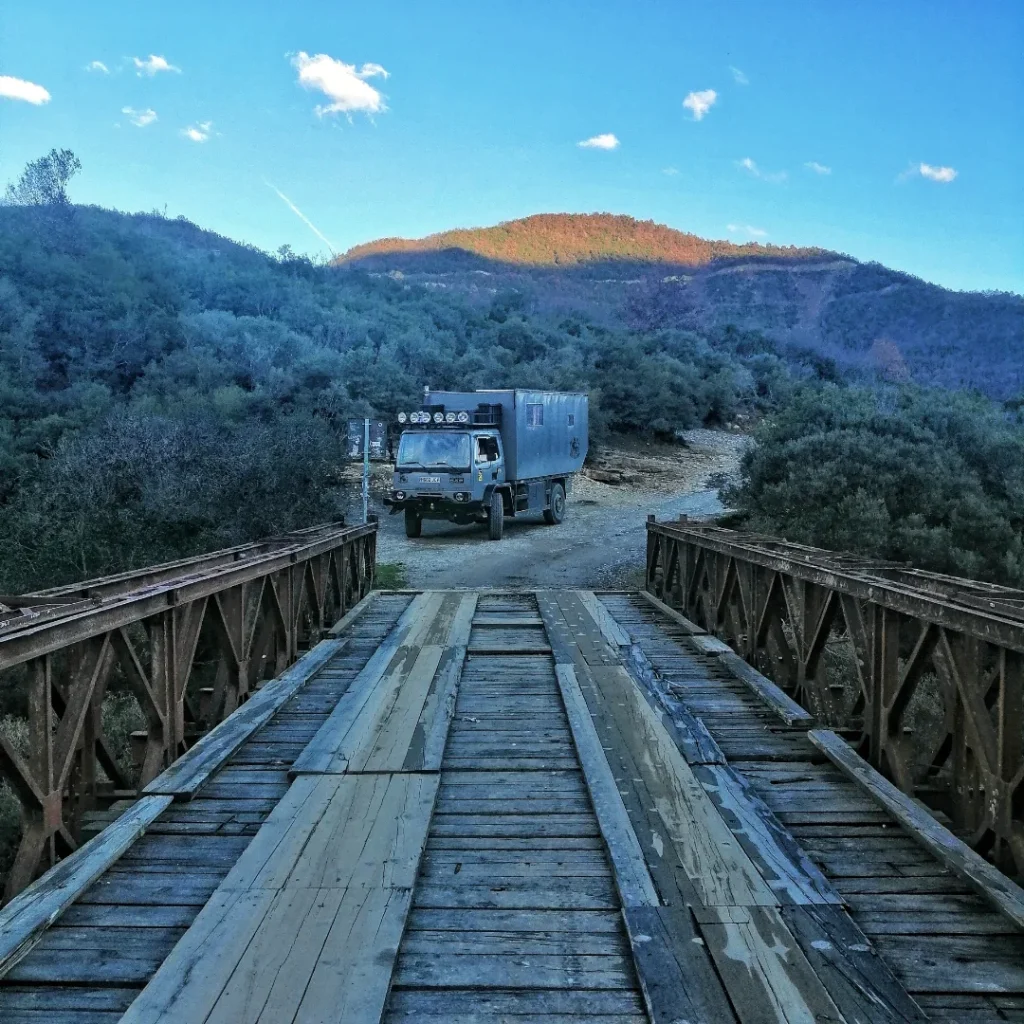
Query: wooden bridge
(532, 807)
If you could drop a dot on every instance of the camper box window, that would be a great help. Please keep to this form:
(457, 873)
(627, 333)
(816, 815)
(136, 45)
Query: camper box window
(535, 415)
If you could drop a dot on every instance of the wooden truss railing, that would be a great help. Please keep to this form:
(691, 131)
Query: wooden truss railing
(189, 639)
(925, 673)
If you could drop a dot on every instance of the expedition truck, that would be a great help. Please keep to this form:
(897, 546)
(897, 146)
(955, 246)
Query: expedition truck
(479, 456)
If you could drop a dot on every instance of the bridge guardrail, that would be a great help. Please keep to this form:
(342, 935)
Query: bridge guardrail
(923, 672)
(228, 619)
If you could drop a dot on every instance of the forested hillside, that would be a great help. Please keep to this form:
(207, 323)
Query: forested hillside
(867, 319)
(164, 390)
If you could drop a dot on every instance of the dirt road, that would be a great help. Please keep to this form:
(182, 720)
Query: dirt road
(602, 541)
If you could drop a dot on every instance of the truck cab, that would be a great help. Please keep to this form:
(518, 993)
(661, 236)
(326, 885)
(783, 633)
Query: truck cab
(456, 461)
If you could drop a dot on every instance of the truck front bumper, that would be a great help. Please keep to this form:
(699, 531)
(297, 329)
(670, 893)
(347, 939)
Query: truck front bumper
(436, 507)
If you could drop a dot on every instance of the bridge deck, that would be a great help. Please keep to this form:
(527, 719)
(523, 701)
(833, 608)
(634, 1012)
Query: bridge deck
(543, 807)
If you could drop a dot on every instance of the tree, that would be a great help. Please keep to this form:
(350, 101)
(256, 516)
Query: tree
(44, 182)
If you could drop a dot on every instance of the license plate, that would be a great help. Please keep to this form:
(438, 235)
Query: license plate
(430, 479)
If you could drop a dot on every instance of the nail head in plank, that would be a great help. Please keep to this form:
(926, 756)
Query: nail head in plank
(986, 879)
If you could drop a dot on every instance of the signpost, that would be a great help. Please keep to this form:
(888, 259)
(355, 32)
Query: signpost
(367, 439)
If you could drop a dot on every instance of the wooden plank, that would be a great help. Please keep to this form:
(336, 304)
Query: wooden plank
(986, 879)
(789, 872)
(25, 918)
(365, 691)
(183, 778)
(859, 981)
(671, 964)
(631, 875)
(338, 831)
(307, 924)
(612, 630)
(380, 742)
(712, 857)
(355, 612)
(784, 706)
(764, 970)
(690, 628)
(545, 1006)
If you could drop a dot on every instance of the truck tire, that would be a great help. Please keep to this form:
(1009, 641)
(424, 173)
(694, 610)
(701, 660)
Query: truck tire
(413, 523)
(556, 513)
(496, 519)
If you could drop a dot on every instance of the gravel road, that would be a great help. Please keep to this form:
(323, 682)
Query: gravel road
(601, 543)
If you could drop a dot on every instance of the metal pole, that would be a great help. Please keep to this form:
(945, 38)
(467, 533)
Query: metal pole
(366, 470)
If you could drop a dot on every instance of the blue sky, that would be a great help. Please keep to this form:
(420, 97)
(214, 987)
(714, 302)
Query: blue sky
(446, 114)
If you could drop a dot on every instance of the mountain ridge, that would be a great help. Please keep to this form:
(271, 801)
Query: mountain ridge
(577, 239)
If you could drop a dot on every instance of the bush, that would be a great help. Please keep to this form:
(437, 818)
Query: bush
(926, 477)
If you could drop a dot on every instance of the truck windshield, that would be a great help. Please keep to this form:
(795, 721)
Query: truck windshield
(435, 450)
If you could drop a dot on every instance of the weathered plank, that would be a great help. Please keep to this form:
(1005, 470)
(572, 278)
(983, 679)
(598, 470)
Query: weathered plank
(631, 875)
(365, 692)
(675, 979)
(183, 778)
(859, 981)
(986, 879)
(613, 631)
(765, 971)
(709, 853)
(783, 705)
(32, 911)
(688, 627)
(789, 872)
(340, 830)
(355, 612)
(378, 729)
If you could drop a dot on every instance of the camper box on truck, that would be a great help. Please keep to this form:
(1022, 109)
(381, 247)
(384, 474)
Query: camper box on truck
(479, 456)
(537, 428)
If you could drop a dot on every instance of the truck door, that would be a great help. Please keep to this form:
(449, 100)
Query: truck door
(489, 464)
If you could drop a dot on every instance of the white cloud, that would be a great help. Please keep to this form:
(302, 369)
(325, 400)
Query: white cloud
(139, 118)
(670, 171)
(751, 168)
(305, 220)
(198, 133)
(943, 174)
(97, 65)
(738, 77)
(699, 103)
(746, 229)
(813, 165)
(606, 141)
(343, 84)
(153, 65)
(19, 89)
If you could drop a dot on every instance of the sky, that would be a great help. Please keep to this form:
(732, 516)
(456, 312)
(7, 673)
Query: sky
(889, 131)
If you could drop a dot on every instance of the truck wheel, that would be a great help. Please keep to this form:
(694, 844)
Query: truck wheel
(413, 523)
(496, 519)
(556, 513)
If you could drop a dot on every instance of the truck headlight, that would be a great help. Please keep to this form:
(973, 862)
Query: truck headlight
(399, 495)
(463, 417)
(402, 418)
(439, 417)
(449, 417)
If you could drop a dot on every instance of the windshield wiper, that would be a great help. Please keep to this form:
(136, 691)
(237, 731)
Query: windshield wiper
(410, 465)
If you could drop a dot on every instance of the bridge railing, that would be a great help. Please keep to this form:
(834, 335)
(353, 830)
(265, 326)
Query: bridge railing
(188, 639)
(923, 672)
